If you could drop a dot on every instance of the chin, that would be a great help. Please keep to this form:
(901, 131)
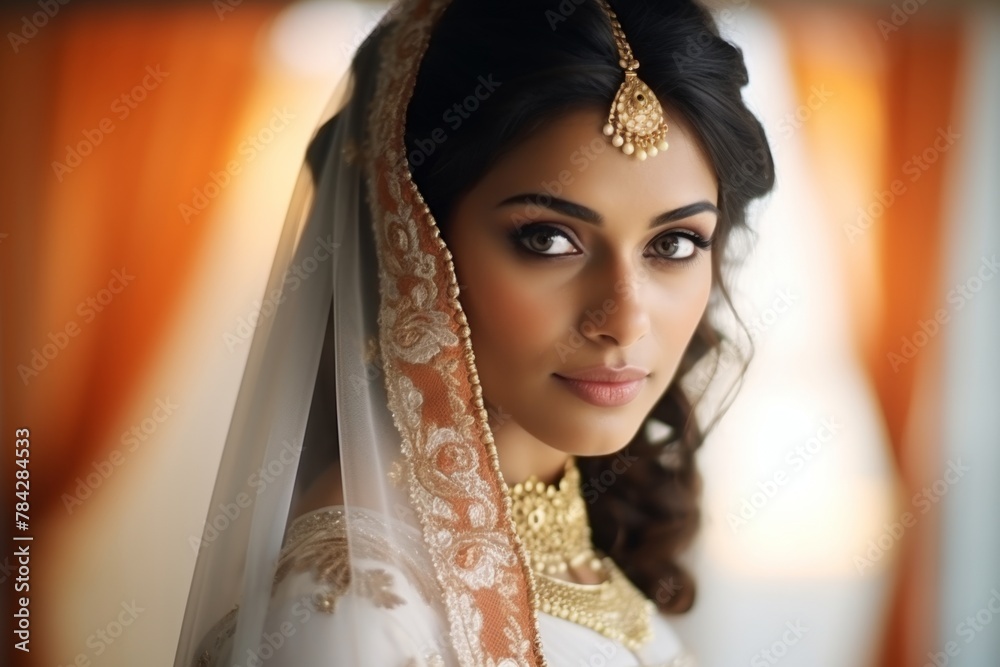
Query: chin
(591, 436)
(604, 449)
(586, 428)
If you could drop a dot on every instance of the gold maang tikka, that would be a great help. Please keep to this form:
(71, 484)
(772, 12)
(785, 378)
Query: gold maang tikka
(637, 122)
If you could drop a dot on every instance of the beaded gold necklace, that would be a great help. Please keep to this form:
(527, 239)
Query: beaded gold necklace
(552, 523)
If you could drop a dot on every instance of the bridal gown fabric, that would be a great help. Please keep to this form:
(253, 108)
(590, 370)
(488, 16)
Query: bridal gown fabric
(306, 625)
(364, 359)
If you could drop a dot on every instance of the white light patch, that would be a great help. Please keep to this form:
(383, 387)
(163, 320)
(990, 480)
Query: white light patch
(317, 37)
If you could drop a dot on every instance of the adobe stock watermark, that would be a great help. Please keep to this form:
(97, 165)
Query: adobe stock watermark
(796, 460)
(497, 416)
(581, 158)
(925, 499)
(594, 320)
(968, 629)
(593, 487)
(666, 590)
(606, 651)
(781, 304)
(59, 340)
(272, 642)
(6, 569)
(959, 296)
(131, 440)
(121, 107)
(696, 44)
(454, 116)
(30, 25)
(723, 16)
(562, 12)
(257, 482)
(102, 638)
(794, 120)
(249, 148)
(295, 275)
(901, 14)
(224, 7)
(914, 168)
(779, 648)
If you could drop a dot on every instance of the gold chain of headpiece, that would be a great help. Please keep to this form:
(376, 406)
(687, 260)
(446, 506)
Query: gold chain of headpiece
(552, 523)
(637, 122)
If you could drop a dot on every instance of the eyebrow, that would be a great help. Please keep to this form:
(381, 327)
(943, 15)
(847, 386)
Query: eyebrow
(581, 212)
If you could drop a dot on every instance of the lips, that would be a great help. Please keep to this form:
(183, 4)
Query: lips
(604, 386)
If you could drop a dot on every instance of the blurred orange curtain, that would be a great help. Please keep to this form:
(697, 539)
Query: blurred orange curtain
(902, 95)
(112, 116)
(924, 62)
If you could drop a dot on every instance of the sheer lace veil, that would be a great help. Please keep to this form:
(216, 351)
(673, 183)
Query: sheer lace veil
(362, 356)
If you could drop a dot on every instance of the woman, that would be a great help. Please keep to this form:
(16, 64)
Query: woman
(493, 279)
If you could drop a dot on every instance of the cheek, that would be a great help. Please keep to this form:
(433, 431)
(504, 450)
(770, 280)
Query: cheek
(515, 322)
(687, 301)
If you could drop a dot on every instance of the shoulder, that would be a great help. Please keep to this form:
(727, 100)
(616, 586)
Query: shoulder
(348, 590)
(360, 553)
(358, 579)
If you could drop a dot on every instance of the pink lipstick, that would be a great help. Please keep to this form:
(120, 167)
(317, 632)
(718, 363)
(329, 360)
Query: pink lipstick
(604, 386)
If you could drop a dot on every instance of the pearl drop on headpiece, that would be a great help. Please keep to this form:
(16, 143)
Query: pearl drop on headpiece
(637, 122)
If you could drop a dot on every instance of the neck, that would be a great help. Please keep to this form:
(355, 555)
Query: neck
(522, 455)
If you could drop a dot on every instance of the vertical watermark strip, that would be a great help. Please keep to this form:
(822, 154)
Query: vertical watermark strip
(22, 539)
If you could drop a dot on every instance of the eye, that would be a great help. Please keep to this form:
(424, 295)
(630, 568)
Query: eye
(543, 239)
(679, 246)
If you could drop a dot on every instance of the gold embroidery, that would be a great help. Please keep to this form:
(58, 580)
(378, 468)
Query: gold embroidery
(318, 542)
(685, 659)
(376, 585)
(220, 632)
(453, 474)
(431, 660)
(396, 473)
(372, 584)
(370, 353)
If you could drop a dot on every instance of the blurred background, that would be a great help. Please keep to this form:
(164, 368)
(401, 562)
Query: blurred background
(851, 505)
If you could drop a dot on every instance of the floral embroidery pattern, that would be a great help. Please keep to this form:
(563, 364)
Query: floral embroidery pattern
(451, 469)
(318, 543)
(431, 660)
(222, 631)
(372, 584)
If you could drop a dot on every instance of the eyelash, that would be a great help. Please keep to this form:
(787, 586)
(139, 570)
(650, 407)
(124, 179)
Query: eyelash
(519, 235)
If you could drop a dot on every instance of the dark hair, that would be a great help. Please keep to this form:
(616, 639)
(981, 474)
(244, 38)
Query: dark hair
(513, 66)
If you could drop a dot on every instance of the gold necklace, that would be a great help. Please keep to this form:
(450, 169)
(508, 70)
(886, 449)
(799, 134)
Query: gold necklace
(552, 523)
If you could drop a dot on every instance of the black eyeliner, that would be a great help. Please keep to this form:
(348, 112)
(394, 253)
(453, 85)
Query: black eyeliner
(520, 232)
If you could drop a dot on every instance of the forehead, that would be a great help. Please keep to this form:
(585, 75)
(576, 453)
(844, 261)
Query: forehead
(571, 158)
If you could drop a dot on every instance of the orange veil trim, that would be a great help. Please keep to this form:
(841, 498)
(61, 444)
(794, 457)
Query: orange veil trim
(452, 471)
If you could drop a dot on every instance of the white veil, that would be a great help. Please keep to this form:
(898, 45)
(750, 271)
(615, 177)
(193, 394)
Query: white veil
(366, 359)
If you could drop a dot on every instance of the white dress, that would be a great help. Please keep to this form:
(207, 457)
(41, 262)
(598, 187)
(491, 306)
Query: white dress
(314, 620)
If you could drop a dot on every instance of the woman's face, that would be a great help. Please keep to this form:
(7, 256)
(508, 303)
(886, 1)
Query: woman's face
(575, 260)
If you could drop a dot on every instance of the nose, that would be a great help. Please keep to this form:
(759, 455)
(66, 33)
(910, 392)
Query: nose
(618, 310)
